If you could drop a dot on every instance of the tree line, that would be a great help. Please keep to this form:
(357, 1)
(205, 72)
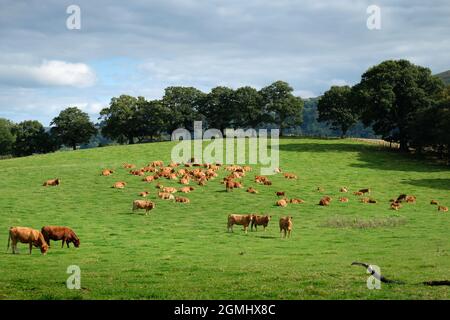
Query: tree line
(399, 101)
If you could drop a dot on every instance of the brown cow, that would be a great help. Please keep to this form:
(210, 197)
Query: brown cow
(26, 235)
(239, 219)
(280, 193)
(53, 182)
(60, 233)
(107, 172)
(252, 190)
(286, 226)
(411, 199)
(401, 197)
(282, 203)
(186, 189)
(142, 204)
(182, 200)
(157, 163)
(325, 201)
(290, 176)
(144, 194)
(435, 202)
(129, 166)
(169, 189)
(364, 191)
(267, 183)
(149, 178)
(357, 193)
(166, 196)
(260, 220)
(119, 185)
(442, 208)
(396, 205)
(297, 201)
(343, 199)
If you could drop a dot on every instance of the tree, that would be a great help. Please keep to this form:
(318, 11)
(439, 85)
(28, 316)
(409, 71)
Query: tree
(6, 137)
(73, 127)
(248, 107)
(153, 118)
(285, 108)
(391, 94)
(183, 103)
(119, 120)
(31, 138)
(335, 108)
(218, 108)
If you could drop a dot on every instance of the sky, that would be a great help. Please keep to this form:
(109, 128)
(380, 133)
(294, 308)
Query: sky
(141, 47)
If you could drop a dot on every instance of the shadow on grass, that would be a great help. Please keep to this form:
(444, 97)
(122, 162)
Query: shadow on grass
(371, 156)
(441, 184)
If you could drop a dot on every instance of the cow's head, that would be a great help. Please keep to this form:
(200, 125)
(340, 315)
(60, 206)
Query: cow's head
(44, 248)
(76, 242)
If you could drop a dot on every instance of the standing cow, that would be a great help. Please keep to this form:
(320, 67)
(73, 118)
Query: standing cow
(56, 233)
(286, 226)
(260, 220)
(239, 219)
(26, 235)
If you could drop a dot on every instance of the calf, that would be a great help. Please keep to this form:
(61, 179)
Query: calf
(26, 235)
(142, 204)
(53, 182)
(60, 233)
(286, 226)
(260, 220)
(239, 219)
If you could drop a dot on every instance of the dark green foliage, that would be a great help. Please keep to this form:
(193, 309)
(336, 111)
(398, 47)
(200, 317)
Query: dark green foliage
(335, 107)
(31, 138)
(73, 127)
(6, 137)
(218, 107)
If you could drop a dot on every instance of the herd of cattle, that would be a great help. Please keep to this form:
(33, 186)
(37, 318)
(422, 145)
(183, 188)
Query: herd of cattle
(186, 174)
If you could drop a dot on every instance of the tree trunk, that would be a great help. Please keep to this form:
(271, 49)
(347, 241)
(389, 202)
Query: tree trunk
(130, 140)
(74, 146)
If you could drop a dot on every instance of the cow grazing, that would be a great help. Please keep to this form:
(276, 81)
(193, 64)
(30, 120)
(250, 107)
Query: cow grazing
(239, 219)
(286, 226)
(119, 185)
(52, 183)
(107, 172)
(143, 204)
(282, 203)
(290, 176)
(280, 193)
(297, 201)
(144, 194)
(343, 199)
(182, 200)
(65, 234)
(434, 202)
(26, 235)
(260, 220)
(442, 208)
(252, 190)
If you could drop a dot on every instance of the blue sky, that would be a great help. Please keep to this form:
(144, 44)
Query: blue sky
(141, 47)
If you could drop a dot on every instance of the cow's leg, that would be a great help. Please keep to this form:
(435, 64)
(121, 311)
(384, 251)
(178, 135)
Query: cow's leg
(63, 240)
(48, 242)
(245, 228)
(31, 247)
(67, 242)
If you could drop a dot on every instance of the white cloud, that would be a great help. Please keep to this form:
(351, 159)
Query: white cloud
(48, 73)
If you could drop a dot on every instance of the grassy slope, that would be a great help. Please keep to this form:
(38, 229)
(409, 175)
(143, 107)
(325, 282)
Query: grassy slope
(183, 251)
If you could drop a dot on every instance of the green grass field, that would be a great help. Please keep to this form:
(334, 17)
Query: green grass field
(183, 251)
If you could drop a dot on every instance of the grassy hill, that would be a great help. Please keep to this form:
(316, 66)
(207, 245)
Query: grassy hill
(445, 76)
(183, 251)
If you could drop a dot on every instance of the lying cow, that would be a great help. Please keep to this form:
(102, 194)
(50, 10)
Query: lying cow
(52, 183)
(166, 196)
(239, 219)
(119, 185)
(260, 220)
(182, 200)
(26, 235)
(286, 226)
(252, 190)
(143, 204)
(60, 233)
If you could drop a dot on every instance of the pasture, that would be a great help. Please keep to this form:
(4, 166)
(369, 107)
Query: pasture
(183, 251)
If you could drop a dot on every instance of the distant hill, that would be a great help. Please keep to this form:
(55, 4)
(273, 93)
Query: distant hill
(445, 76)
